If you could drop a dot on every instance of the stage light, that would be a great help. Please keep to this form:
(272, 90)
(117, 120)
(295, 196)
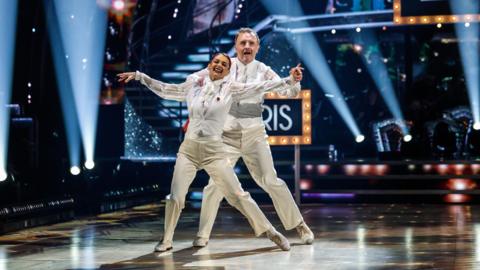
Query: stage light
(358, 29)
(3, 175)
(359, 138)
(60, 58)
(468, 45)
(118, 5)
(350, 169)
(379, 72)
(457, 198)
(75, 170)
(439, 25)
(407, 138)
(476, 126)
(334, 31)
(305, 184)
(460, 184)
(307, 48)
(83, 27)
(8, 22)
(89, 164)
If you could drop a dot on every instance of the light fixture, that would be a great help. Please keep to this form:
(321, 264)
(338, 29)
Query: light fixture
(3, 175)
(89, 164)
(75, 170)
(359, 138)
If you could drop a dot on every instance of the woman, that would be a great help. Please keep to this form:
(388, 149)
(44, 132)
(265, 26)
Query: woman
(208, 103)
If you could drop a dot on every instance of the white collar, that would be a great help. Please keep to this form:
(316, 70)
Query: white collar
(216, 82)
(245, 66)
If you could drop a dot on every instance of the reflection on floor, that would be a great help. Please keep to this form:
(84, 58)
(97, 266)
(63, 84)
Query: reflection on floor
(347, 237)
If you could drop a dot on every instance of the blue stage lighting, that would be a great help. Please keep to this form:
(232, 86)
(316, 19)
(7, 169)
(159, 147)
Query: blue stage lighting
(83, 26)
(468, 45)
(89, 164)
(75, 170)
(8, 21)
(359, 138)
(375, 63)
(306, 46)
(70, 119)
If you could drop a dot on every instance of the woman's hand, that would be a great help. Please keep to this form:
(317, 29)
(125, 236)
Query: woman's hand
(126, 76)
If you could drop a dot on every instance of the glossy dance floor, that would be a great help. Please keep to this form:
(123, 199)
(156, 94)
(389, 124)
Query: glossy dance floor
(347, 237)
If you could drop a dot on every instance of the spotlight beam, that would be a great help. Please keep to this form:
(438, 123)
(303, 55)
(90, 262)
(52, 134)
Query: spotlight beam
(8, 22)
(309, 50)
(83, 26)
(468, 46)
(379, 72)
(70, 119)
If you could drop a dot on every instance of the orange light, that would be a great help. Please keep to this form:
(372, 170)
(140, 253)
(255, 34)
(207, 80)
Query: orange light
(442, 168)
(323, 168)
(381, 169)
(350, 169)
(305, 184)
(460, 184)
(457, 198)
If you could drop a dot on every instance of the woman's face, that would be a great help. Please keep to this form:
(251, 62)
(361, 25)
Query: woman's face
(219, 67)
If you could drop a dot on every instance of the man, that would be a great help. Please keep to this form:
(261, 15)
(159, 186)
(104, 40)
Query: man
(244, 136)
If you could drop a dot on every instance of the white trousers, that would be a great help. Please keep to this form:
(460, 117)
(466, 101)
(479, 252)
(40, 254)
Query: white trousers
(252, 146)
(210, 156)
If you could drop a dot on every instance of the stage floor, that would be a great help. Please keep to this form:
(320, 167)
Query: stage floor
(348, 236)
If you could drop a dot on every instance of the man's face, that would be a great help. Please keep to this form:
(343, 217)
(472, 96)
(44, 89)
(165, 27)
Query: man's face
(247, 47)
(219, 67)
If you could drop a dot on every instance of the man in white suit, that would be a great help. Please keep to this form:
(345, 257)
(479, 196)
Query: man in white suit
(244, 136)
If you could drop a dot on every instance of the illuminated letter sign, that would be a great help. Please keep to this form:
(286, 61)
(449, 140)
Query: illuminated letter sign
(429, 12)
(288, 120)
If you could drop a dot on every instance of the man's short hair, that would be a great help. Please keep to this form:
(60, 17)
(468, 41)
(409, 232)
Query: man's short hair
(247, 30)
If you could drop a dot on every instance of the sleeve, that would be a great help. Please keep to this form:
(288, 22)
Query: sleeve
(291, 91)
(246, 90)
(170, 91)
(199, 75)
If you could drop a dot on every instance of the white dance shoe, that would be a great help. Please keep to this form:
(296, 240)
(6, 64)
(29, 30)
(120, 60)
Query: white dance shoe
(200, 242)
(306, 235)
(278, 239)
(163, 246)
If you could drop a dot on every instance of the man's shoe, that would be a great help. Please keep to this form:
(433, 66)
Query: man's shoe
(306, 235)
(278, 239)
(200, 242)
(163, 246)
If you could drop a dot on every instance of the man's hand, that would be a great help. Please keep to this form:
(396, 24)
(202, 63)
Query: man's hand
(297, 73)
(126, 76)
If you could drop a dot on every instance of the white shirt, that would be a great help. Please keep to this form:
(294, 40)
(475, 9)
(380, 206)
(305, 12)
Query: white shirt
(209, 101)
(253, 72)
